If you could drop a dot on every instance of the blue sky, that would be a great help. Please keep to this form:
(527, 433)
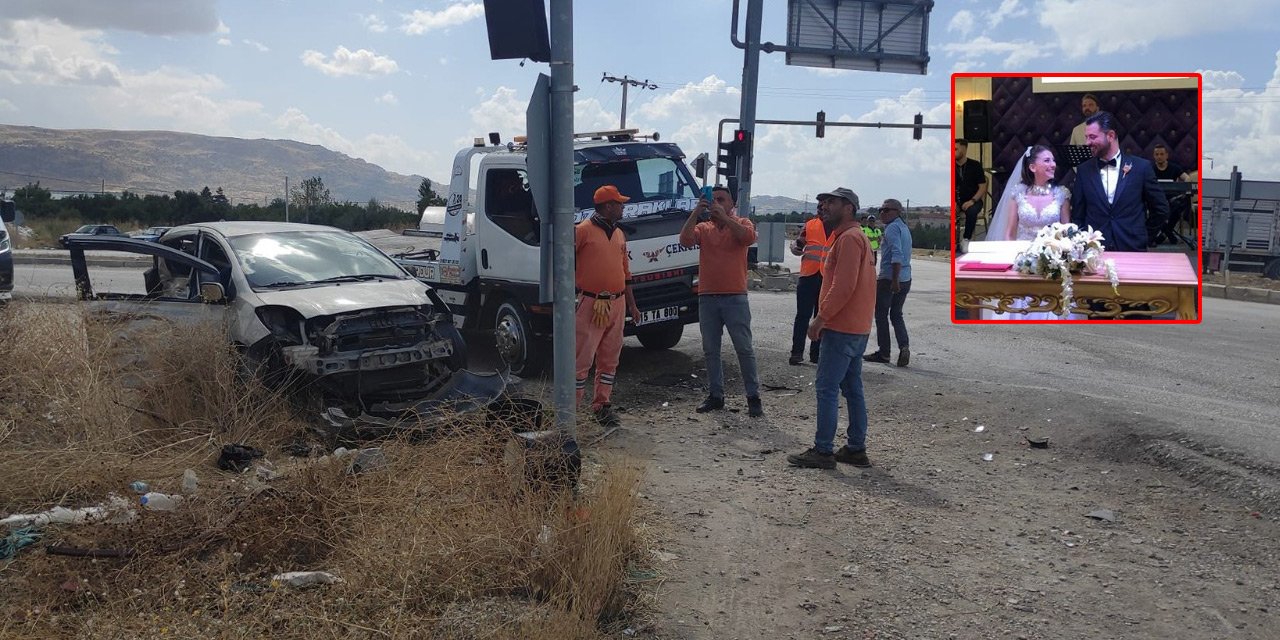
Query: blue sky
(404, 84)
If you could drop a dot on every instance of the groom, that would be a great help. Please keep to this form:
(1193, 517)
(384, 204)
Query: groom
(1114, 193)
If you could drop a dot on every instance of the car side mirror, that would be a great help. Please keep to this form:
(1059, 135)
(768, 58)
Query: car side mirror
(8, 211)
(212, 293)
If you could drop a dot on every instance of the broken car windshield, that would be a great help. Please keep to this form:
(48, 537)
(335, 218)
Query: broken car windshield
(292, 258)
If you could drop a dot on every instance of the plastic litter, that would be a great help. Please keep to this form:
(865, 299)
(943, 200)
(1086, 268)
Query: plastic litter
(116, 510)
(139, 487)
(190, 483)
(988, 457)
(156, 501)
(305, 578)
(979, 429)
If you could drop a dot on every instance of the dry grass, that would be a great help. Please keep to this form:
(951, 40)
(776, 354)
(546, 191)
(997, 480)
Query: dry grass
(47, 231)
(448, 540)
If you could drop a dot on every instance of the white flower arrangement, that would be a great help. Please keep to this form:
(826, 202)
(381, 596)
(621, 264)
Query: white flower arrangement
(1060, 250)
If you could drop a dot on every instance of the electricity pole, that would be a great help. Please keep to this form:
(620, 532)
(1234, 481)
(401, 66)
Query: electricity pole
(627, 82)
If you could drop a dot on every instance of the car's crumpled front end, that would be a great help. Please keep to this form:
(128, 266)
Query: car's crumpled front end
(393, 352)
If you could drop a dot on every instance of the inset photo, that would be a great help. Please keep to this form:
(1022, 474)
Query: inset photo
(1077, 197)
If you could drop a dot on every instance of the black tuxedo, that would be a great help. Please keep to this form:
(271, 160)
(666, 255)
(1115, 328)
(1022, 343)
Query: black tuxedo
(1137, 210)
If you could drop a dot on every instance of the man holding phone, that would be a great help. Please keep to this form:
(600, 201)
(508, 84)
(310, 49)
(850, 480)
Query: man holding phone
(722, 294)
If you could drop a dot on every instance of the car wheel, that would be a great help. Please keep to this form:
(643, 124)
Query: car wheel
(527, 355)
(661, 337)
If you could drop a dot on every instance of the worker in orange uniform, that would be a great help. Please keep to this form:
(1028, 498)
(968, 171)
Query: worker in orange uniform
(811, 246)
(603, 278)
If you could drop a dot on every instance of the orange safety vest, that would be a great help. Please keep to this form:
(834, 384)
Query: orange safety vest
(817, 244)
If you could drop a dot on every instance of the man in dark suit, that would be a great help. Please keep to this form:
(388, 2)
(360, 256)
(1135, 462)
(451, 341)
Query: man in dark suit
(1116, 193)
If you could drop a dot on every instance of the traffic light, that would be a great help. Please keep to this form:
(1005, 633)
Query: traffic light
(822, 124)
(727, 160)
(741, 153)
(919, 128)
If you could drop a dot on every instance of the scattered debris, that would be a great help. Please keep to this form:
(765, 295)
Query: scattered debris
(988, 456)
(115, 511)
(1038, 442)
(663, 556)
(156, 501)
(237, 457)
(190, 483)
(16, 540)
(365, 460)
(304, 578)
(139, 487)
(1102, 514)
(979, 429)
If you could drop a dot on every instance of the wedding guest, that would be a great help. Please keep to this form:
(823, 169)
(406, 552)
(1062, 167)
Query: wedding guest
(1088, 107)
(971, 187)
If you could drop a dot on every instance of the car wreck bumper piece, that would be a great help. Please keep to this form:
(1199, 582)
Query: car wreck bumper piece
(464, 393)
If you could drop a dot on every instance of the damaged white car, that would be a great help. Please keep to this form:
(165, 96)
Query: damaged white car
(299, 300)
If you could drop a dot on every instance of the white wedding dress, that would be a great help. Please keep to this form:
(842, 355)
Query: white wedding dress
(1030, 222)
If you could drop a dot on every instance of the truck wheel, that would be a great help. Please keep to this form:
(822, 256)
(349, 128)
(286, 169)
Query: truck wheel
(661, 337)
(1273, 269)
(526, 354)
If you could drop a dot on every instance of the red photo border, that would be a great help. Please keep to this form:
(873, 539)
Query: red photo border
(1199, 261)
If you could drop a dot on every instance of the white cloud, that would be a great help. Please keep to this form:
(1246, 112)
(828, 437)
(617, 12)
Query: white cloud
(387, 151)
(257, 45)
(1014, 54)
(345, 62)
(222, 28)
(7, 106)
(45, 52)
(387, 98)
(156, 17)
(226, 42)
(420, 21)
(961, 22)
(1242, 127)
(73, 66)
(1085, 27)
(374, 23)
(1007, 9)
(502, 112)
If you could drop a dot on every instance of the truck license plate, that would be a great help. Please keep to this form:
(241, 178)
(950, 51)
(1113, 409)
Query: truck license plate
(658, 315)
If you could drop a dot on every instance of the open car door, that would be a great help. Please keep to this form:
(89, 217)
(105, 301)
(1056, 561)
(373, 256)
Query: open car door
(177, 285)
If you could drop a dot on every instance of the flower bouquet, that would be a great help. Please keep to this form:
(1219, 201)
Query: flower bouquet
(1060, 250)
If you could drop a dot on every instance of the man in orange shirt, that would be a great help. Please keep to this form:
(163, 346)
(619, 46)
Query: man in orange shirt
(845, 308)
(722, 294)
(603, 278)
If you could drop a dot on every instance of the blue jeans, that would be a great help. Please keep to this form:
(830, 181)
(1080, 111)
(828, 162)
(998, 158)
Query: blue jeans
(840, 372)
(889, 311)
(807, 290)
(717, 312)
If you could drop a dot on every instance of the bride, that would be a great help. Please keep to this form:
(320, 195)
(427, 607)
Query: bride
(1032, 202)
(1028, 206)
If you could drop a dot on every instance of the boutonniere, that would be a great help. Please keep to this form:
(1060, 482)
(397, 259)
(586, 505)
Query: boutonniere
(1125, 171)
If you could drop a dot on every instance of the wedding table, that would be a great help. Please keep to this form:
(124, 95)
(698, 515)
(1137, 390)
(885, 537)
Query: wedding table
(1163, 282)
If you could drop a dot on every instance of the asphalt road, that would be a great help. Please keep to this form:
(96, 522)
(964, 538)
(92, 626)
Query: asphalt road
(1216, 382)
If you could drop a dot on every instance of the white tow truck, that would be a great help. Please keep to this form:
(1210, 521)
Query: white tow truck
(481, 253)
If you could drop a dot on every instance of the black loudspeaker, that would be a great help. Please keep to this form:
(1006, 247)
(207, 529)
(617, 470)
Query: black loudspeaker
(517, 29)
(977, 120)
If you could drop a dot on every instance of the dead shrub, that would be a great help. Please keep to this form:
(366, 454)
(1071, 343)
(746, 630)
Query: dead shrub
(450, 539)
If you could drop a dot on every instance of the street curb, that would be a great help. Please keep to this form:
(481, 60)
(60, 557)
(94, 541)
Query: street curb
(1245, 294)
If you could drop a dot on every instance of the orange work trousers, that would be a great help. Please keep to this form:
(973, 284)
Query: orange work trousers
(601, 345)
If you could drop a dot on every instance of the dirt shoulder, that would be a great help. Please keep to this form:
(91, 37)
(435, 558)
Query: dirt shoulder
(933, 541)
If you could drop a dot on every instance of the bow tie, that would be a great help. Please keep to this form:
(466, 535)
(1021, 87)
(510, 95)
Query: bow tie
(1108, 163)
